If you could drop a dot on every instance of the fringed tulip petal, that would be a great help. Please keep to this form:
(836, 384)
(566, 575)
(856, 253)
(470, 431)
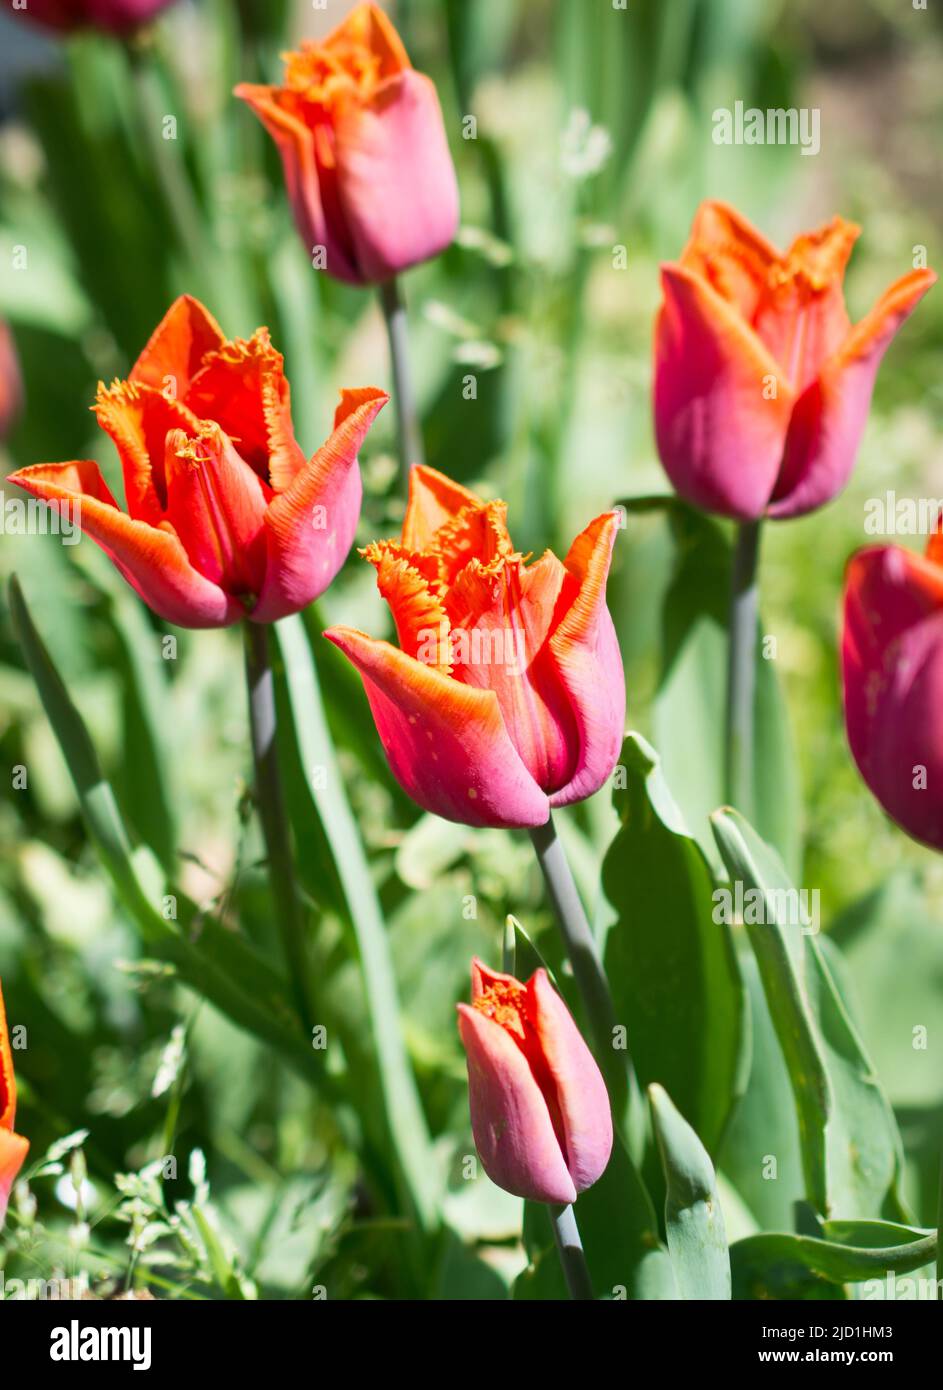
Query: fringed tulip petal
(587, 657)
(434, 500)
(722, 404)
(138, 418)
(446, 742)
(176, 348)
(150, 558)
(581, 1092)
(310, 527)
(892, 659)
(513, 1132)
(830, 416)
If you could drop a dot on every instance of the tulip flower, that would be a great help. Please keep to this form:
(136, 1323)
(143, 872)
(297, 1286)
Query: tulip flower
(116, 16)
(13, 1148)
(226, 519)
(363, 146)
(539, 1108)
(506, 694)
(892, 659)
(762, 386)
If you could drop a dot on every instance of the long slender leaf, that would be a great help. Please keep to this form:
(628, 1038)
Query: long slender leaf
(694, 1220)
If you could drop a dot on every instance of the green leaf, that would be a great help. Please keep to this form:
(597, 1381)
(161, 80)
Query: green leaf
(694, 1220)
(406, 1123)
(780, 1264)
(690, 702)
(851, 1148)
(672, 970)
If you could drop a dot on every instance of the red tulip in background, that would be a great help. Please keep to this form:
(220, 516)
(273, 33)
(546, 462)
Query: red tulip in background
(892, 658)
(13, 1148)
(11, 383)
(506, 695)
(363, 146)
(539, 1107)
(740, 322)
(117, 16)
(226, 518)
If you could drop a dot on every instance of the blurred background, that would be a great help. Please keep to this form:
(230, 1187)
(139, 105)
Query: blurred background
(592, 137)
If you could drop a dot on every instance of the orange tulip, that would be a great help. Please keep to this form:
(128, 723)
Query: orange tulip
(506, 695)
(363, 146)
(762, 385)
(13, 1148)
(226, 518)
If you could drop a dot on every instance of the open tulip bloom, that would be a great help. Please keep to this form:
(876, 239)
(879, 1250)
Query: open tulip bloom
(506, 694)
(13, 1148)
(363, 145)
(226, 518)
(539, 1107)
(892, 658)
(762, 385)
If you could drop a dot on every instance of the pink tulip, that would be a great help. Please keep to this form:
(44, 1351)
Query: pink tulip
(762, 386)
(13, 1148)
(117, 16)
(364, 151)
(11, 383)
(506, 694)
(539, 1107)
(226, 517)
(892, 658)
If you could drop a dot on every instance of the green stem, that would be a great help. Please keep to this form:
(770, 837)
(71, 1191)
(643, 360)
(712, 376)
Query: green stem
(939, 1238)
(566, 1235)
(741, 670)
(409, 432)
(587, 967)
(271, 806)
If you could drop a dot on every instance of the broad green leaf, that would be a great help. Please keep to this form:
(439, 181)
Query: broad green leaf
(689, 706)
(694, 1220)
(851, 1148)
(780, 1264)
(402, 1107)
(672, 969)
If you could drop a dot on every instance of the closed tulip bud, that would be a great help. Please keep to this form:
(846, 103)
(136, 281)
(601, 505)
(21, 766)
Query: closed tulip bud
(892, 660)
(13, 1148)
(226, 518)
(762, 386)
(364, 151)
(539, 1107)
(116, 16)
(506, 695)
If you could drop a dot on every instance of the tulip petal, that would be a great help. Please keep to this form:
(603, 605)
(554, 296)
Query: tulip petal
(586, 655)
(395, 178)
(368, 26)
(138, 418)
(511, 1123)
(581, 1092)
(176, 348)
(730, 254)
(7, 1078)
(152, 559)
(310, 527)
(446, 742)
(434, 499)
(282, 114)
(719, 435)
(830, 416)
(242, 386)
(405, 580)
(892, 664)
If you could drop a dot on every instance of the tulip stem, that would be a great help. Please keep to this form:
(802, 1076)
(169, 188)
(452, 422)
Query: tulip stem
(741, 669)
(408, 429)
(584, 957)
(270, 801)
(939, 1238)
(566, 1233)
